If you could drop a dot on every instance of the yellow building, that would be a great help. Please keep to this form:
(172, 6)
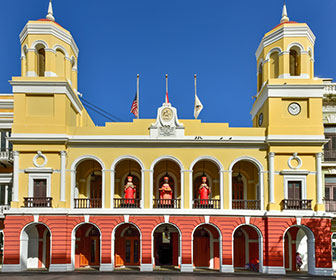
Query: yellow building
(131, 194)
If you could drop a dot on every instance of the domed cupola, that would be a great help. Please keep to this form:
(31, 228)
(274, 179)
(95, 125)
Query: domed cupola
(48, 50)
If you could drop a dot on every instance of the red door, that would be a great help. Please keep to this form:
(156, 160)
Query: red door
(239, 249)
(202, 251)
(131, 251)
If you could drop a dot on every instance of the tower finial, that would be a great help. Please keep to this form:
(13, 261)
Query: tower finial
(50, 15)
(284, 14)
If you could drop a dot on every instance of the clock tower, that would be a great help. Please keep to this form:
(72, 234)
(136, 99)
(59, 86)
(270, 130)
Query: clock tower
(288, 102)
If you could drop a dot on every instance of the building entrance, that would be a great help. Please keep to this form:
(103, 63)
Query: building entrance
(166, 245)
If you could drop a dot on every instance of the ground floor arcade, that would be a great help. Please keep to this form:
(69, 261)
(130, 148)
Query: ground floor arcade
(223, 243)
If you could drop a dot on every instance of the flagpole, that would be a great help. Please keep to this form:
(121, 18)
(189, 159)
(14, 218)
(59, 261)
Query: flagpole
(195, 91)
(138, 96)
(166, 99)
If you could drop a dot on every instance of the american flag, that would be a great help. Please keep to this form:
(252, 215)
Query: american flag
(134, 108)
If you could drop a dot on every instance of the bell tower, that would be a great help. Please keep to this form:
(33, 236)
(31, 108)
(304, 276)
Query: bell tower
(45, 95)
(289, 97)
(48, 50)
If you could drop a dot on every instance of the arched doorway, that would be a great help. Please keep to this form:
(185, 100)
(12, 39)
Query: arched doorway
(167, 194)
(87, 246)
(206, 247)
(246, 191)
(299, 239)
(88, 191)
(209, 197)
(35, 247)
(123, 169)
(247, 253)
(166, 251)
(127, 246)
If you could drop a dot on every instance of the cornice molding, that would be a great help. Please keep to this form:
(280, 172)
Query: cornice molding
(48, 87)
(48, 28)
(285, 31)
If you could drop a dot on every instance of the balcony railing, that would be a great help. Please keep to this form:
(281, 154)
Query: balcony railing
(330, 205)
(37, 201)
(296, 204)
(127, 203)
(88, 203)
(207, 203)
(167, 203)
(329, 155)
(6, 156)
(246, 204)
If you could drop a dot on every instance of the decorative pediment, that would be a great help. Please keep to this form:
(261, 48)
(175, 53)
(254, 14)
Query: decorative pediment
(167, 124)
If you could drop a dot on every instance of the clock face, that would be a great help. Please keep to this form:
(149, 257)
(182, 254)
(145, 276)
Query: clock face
(167, 114)
(294, 108)
(260, 119)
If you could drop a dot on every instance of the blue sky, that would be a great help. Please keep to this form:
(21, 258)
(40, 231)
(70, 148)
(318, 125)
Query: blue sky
(215, 39)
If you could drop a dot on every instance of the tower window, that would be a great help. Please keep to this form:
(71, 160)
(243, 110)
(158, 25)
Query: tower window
(274, 60)
(40, 60)
(294, 62)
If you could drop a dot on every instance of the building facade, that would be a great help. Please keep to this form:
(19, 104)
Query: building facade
(166, 192)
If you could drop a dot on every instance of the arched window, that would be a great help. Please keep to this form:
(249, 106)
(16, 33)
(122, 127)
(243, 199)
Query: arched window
(294, 62)
(260, 78)
(40, 60)
(60, 57)
(274, 60)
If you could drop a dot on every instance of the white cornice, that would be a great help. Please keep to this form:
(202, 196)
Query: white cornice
(287, 30)
(134, 139)
(296, 139)
(48, 87)
(289, 91)
(48, 28)
(161, 212)
(6, 103)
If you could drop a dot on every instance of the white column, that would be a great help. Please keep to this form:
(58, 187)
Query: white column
(230, 189)
(182, 188)
(221, 188)
(112, 187)
(271, 176)
(142, 201)
(6, 195)
(62, 186)
(73, 188)
(16, 176)
(319, 178)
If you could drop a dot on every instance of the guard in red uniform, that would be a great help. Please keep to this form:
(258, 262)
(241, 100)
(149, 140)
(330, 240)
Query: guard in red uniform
(129, 190)
(166, 192)
(204, 191)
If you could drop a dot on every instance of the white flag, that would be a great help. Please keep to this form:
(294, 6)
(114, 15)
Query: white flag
(198, 107)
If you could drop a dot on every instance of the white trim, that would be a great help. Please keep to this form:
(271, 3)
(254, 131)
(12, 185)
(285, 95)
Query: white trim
(295, 44)
(273, 270)
(73, 243)
(38, 170)
(60, 267)
(142, 175)
(113, 242)
(276, 49)
(310, 247)
(24, 247)
(290, 91)
(56, 47)
(260, 169)
(32, 177)
(286, 30)
(301, 178)
(63, 155)
(11, 268)
(35, 43)
(146, 267)
(179, 259)
(260, 243)
(212, 240)
(46, 28)
(74, 166)
(15, 189)
(48, 87)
